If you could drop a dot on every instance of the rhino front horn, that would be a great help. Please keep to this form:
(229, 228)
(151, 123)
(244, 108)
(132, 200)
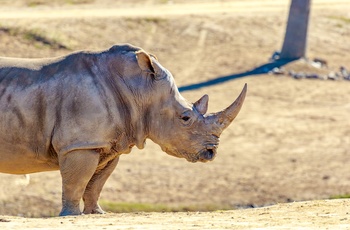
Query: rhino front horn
(225, 117)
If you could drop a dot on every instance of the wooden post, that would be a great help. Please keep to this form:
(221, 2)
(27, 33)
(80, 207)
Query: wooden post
(295, 40)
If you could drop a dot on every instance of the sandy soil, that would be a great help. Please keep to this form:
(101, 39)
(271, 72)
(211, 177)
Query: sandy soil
(323, 214)
(289, 143)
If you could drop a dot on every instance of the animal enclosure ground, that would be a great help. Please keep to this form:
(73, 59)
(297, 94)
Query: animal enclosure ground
(309, 215)
(289, 143)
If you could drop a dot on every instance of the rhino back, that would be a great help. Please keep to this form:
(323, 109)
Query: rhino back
(52, 107)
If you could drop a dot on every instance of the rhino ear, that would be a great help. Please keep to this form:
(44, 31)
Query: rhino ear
(154, 56)
(144, 61)
(202, 104)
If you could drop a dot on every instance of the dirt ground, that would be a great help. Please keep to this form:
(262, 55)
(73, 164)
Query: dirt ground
(289, 143)
(322, 214)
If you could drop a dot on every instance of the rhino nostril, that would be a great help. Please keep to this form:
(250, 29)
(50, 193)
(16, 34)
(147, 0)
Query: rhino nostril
(210, 154)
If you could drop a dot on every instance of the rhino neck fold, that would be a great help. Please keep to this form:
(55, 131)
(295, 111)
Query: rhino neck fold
(128, 138)
(131, 111)
(142, 129)
(140, 140)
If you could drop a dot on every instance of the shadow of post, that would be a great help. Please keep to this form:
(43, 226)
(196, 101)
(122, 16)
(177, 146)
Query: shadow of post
(263, 69)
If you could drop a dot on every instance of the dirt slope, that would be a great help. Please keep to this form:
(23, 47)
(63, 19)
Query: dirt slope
(290, 142)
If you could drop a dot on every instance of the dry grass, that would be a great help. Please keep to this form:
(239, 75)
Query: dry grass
(34, 36)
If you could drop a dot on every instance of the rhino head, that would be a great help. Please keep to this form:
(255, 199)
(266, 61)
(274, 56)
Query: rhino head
(183, 129)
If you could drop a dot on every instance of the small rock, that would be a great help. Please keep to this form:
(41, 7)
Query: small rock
(345, 73)
(319, 61)
(275, 56)
(299, 75)
(333, 76)
(277, 71)
(312, 76)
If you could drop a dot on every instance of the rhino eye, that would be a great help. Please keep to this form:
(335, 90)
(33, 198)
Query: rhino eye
(185, 118)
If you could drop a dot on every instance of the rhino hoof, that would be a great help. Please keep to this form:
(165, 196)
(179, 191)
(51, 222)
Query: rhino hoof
(94, 211)
(69, 213)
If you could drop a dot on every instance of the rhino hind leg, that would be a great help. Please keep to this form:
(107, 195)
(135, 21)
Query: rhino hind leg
(77, 168)
(94, 188)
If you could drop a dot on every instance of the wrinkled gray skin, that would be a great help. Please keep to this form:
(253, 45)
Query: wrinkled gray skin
(79, 113)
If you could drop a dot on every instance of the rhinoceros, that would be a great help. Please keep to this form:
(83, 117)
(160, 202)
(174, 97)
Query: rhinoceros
(78, 113)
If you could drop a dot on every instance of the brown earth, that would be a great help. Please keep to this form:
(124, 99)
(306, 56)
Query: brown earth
(289, 143)
(323, 214)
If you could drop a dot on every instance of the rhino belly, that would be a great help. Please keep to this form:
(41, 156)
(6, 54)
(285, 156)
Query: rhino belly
(25, 162)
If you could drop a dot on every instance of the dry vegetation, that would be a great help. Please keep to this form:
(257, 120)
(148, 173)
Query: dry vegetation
(290, 142)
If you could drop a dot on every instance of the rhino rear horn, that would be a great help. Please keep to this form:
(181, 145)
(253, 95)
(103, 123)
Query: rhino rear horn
(225, 117)
(202, 104)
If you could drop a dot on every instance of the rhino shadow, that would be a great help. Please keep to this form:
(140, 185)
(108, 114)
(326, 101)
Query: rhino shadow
(263, 69)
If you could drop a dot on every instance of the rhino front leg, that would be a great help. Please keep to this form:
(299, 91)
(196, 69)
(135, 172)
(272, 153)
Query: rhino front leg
(77, 168)
(94, 188)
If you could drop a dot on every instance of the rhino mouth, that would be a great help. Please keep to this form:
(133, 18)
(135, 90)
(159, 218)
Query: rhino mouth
(207, 154)
(204, 155)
